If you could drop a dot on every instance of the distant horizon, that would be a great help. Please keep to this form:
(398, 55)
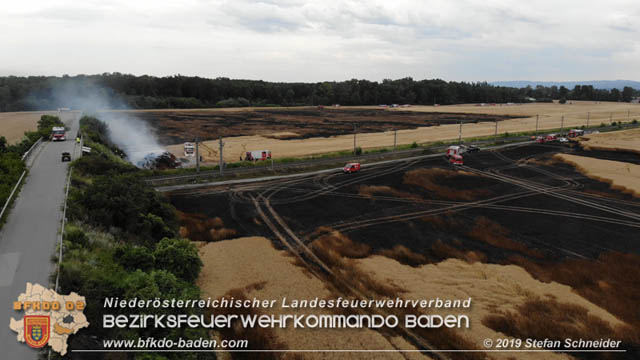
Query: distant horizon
(505, 83)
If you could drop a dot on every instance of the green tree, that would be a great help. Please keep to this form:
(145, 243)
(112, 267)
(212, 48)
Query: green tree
(627, 94)
(46, 124)
(563, 92)
(180, 257)
(615, 95)
(134, 257)
(124, 201)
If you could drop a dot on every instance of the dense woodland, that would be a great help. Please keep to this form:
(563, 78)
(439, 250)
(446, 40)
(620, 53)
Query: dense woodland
(117, 90)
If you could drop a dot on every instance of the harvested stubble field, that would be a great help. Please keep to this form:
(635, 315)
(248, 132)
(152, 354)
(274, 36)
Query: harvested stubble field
(295, 132)
(14, 124)
(494, 232)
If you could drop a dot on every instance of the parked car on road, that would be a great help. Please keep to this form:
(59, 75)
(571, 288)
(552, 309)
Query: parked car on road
(473, 148)
(351, 168)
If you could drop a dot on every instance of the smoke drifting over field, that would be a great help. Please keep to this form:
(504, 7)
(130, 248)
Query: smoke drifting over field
(133, 136)
(128, 132)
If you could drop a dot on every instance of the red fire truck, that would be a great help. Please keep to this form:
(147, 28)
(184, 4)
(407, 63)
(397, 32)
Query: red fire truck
(58, 134)
(454, 150)
(258, 155)
(575, 133)
(456, 160)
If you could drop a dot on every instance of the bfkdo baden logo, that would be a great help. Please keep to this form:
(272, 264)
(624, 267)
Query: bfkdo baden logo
(36, 330)
(49, 318)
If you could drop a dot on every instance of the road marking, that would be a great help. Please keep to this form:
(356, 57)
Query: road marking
(8, 265)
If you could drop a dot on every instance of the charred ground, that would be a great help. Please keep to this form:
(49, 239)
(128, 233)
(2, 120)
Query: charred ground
(384, 206)
(512, 206)
(181, 125)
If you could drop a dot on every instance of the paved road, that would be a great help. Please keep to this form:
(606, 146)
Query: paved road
(29, 237)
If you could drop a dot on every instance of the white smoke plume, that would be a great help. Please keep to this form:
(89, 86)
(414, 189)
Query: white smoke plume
(132, 135)
(128, 132)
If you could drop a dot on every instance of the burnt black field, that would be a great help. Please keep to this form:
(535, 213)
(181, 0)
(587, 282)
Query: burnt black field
(599, 220)
(515, 206)
(177, 126)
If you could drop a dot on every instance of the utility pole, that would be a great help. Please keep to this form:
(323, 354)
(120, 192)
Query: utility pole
(537, 118)
(221, 157)
(460, 133)
(561, 124)
(395, 138)
(354, 139)
(495, 136)
(588, 116)
(197, 154)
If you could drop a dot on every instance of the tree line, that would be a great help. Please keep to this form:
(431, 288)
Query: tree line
(118, 90)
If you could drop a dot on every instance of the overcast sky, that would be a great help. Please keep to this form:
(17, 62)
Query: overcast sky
(293, 40)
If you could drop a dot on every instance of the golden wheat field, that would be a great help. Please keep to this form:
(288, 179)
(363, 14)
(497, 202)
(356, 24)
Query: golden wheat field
(495, 289)
(628, 140)
(622, 176)
(267, 273)
(14, 124)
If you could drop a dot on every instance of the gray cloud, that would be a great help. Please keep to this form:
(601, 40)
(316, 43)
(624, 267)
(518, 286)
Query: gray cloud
(295, 40)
